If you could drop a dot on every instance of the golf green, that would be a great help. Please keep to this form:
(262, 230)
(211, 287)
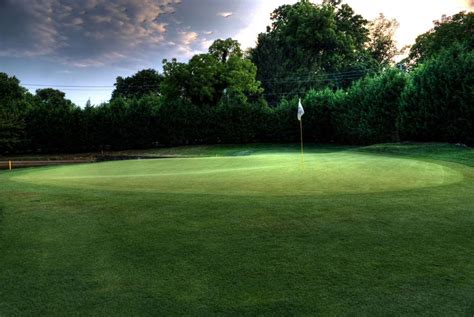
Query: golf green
(269, 174)
(382, 230)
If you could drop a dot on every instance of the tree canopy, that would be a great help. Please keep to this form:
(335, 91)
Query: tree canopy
(326, 54)
(207, 77)
(381, 44)
(144, 82)
(456, 29)
(306, 44)
(225, 49)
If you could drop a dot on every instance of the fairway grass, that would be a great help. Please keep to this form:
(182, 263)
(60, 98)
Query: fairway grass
(243, 230)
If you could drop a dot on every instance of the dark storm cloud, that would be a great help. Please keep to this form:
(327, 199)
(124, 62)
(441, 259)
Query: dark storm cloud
(24, 31)
(91, 33)
(85, 33)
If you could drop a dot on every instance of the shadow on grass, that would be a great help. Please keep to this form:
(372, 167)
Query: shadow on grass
(238, 150)
(436, 151)
(255, 149)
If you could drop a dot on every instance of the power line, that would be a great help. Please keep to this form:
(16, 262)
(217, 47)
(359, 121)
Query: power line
(325, 75)
(302, 78)
(335, 78)
(67, 86)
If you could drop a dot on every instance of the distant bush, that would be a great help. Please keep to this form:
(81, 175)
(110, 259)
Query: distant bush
(438, 102)
(368, 111)
(434, 102)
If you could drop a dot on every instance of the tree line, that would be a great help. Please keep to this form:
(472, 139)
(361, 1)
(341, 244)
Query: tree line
(338, 63)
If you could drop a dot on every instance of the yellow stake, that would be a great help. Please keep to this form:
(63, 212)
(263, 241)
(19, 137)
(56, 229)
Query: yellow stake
(301, 134)
(10, 165)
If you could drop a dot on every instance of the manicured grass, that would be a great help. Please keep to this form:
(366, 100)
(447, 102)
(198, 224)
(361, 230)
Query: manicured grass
(243, 230)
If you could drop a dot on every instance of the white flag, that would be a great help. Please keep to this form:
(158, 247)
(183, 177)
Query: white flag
(300, 110)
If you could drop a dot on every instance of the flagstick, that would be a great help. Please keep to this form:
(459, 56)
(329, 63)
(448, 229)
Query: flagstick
(302, 148)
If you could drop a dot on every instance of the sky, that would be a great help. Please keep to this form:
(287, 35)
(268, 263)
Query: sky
(81, 46)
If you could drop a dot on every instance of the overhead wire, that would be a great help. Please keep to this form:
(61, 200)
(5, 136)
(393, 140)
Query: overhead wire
(297, 80)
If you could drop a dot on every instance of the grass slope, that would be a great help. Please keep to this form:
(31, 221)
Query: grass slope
(383, 230)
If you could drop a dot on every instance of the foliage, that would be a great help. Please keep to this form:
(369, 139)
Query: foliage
(239, 121)
(52, 121)
(456, 29)
(438, 102)
(381, 45)
(216, 98)
(181, 123)
(13, 106)
(320, 115)
(206, 78)
(370, 109)
(143, 83)
(12, 132)
(10, 90)
(225, 49)
(306, 43)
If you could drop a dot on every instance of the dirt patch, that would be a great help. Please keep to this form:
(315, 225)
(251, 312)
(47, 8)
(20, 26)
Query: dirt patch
(20, 164)
(37, 163)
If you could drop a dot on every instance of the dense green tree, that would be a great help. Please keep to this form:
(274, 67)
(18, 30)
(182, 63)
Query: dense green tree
(205, 85)
(207, 77)
(456, 29)
(117, 124)
(321, 53)
(14, 103)
(320, 114)
(52, 122)
(241, 121)
(370, 109)
(142, 116)
(197, 82)
(225, 49)
(437, 104)
(90, 135)
(239, 78)
(176, 75)
(123, 123)
(10, 91)
(13, 97)
(180, 123)
(144, 82)
(307, 44)
(53, 99)
(12, 132)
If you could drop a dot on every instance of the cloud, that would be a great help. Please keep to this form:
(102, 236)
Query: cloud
(225, 14)
(187, 38)
(117, 33)
(184, 44)
(84, 32)
(21, 24)
(103, 60)
(205, 44)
